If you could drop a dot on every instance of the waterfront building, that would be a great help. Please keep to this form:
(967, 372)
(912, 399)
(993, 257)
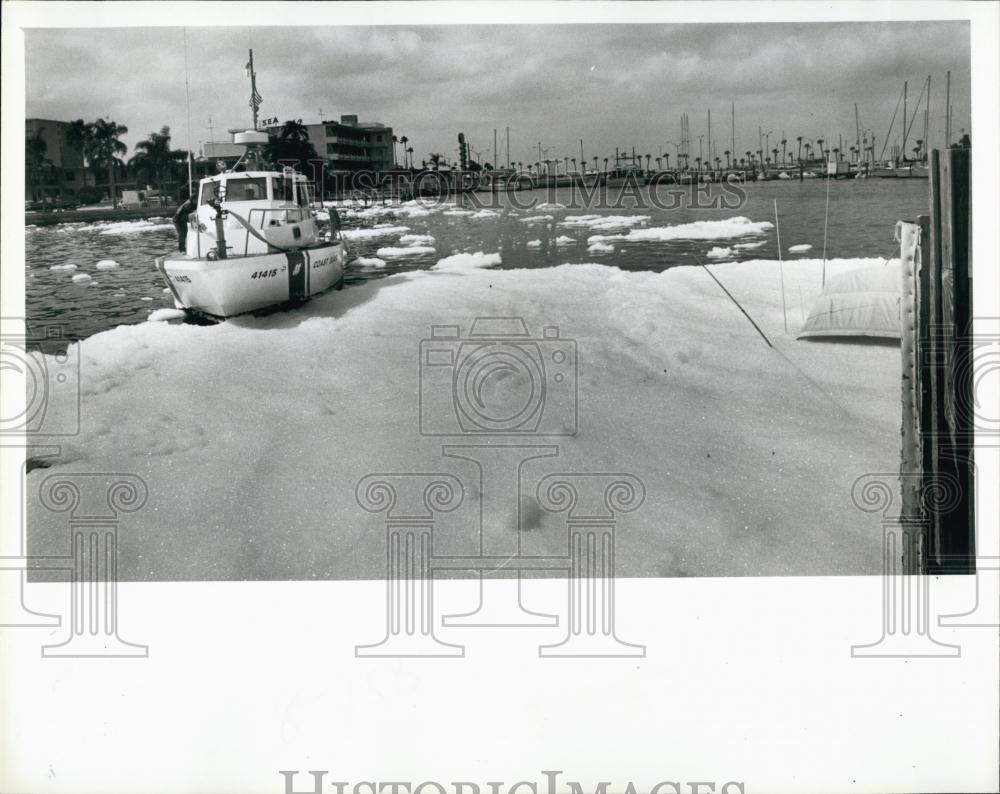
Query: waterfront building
(350, 145)
(62, 171)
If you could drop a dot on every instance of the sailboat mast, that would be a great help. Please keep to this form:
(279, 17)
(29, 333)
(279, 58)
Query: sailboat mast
(734, 130)
(904, 122)
(947, 111)
(927, 121)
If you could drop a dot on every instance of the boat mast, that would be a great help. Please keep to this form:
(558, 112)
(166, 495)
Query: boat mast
(947, 111)
(904, 123)
(927, 121)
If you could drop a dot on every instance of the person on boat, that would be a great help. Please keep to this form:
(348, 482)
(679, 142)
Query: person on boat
(181, 219)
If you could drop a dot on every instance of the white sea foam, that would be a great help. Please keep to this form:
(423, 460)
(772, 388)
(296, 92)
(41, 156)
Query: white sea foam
(468, 261)
(67, 266)
(412, 250)
(534, 243)
(107, 264)
(536, 218)
(564, 240)
(801, 247)
(600, 248)
(131, 227)
(82, 279)
(719, 253)
(416, 239)
(377, 231)
(747, 246)
(602, 223)
(697, 230)
(163, 315)
(369, 261)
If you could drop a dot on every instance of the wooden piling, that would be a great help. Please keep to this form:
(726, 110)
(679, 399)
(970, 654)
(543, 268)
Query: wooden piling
(939, 418)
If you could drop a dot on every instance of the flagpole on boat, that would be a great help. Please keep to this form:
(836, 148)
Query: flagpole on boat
(187, 94)
(253, 90)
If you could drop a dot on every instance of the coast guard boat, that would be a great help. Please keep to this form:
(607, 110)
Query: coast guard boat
(253, 241)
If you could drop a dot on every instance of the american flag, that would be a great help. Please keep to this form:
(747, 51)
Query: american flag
(255, 100)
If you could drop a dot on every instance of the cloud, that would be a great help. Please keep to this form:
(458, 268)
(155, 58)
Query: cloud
(612, 85)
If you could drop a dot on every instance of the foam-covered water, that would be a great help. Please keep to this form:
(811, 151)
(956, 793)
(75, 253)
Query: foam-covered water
(533, 229)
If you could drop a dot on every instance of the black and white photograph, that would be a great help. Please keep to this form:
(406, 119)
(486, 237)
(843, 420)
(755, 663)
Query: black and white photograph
(500, 397)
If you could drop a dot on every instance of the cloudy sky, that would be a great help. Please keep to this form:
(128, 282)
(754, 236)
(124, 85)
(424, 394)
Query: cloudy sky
(611, 85)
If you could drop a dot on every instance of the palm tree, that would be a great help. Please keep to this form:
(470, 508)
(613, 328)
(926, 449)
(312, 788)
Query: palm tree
(784, 153)
(799, 139)
(106, 148)
(573, 161)
(155, 157)
(819, 143)
(666, 157)
(35, 163)
(409, 152)
(436, 160)
(395, 140)
(808, 152)
(79, 135)
(659, 163)
(727, 153)
(697, 162)
(404, 140)
(605, 165)
(647, 163)
(718, 163)
(293, 131)
(595, 164)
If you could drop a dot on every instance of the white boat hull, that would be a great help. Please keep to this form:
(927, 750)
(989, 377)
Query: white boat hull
(237, 285)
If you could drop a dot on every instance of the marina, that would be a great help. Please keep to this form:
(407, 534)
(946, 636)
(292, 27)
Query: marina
(413, 397)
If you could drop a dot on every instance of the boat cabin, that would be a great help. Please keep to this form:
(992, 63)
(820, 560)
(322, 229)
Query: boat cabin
(265, 211)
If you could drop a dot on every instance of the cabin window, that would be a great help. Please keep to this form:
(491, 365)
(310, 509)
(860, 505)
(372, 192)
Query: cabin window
(209, 192)
(305, 194)
(281, 189)
(246, 189)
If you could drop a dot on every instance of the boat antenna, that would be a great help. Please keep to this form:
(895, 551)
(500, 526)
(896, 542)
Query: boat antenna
(255, 98)
(781, 266)
(187, 94)
(826, 220)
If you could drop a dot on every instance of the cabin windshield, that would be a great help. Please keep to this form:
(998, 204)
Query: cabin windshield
(209, 192)
(281, 188)
(305, 194)
(251, 188)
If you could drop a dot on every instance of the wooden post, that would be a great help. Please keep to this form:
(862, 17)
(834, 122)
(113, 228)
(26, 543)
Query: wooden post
(945, 362)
